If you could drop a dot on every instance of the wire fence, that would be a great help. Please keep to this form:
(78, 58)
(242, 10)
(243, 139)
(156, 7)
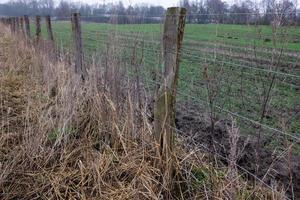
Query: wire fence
(246, 68)
(248, 71)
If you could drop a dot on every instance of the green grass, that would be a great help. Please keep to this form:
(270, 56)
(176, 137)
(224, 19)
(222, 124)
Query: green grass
(230, 34)
(238, 89)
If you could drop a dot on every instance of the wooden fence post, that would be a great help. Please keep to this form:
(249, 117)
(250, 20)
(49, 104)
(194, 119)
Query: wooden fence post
(38, 29)
(5, 21)
(14, 24)
(13, 20)
(17, 25)
(164, 108)
(27, 27)
(77, 40)
(11, 24)
(8, 23)
(49, 28)
(22, 25)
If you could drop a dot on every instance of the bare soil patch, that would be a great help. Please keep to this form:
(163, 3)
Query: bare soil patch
(273, 167)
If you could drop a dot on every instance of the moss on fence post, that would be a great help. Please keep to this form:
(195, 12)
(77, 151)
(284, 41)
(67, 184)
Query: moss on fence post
(164, 108)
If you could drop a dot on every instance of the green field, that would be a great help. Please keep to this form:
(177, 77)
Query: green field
(240, 35)
(241, 61)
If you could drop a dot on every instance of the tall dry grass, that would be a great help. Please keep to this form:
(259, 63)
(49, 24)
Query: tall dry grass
(61, 138)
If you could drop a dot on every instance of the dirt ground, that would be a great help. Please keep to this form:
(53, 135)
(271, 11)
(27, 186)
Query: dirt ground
(274, 168)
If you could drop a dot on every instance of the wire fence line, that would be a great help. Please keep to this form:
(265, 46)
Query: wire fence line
(185, 45)
(187, 15)
(228, 111)
(132, 35)
(195, 147)
(294, 136)
(228, 64)
(138, 43)
(205, 103)
(192, 55)
(205, 148)
(147, 49)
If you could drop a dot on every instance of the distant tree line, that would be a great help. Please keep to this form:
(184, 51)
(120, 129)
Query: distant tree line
(199, 11)
(244, 12)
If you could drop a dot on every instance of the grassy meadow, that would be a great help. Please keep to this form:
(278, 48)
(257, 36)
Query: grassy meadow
(239, 35)
(239, 69)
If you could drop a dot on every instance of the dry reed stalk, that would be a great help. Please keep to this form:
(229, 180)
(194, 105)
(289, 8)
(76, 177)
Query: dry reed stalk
(64, 140)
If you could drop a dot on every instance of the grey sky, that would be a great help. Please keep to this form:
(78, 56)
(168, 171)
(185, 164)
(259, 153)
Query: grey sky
(165, 3)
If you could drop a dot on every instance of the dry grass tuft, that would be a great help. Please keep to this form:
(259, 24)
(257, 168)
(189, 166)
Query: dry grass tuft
(63, 139)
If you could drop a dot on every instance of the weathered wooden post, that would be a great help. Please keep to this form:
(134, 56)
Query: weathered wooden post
(17, 25)
(38, 29)
(77, 40)
(164, 108)
(49, 28)
(13, 21)
(14, 24)
(27, 27)
(10, 22)
(5, 21)
(22, 25)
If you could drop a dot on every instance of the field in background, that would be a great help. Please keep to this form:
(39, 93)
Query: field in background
(240, 35)
(225, 69)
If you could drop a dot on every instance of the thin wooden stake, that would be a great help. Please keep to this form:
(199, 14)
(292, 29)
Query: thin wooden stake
(27, 27)
(49, 28)
(13, 24)
(38, 28)
(164, 108)
(77, 40)
(18, 24)
(22, 25)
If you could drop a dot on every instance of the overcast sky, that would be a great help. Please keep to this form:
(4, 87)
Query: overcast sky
(165, 3)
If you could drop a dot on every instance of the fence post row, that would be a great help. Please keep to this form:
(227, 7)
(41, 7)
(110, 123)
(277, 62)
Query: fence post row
(26, 26)
(49, 28)
(77, 40)
(164, 108)
(38, 28)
